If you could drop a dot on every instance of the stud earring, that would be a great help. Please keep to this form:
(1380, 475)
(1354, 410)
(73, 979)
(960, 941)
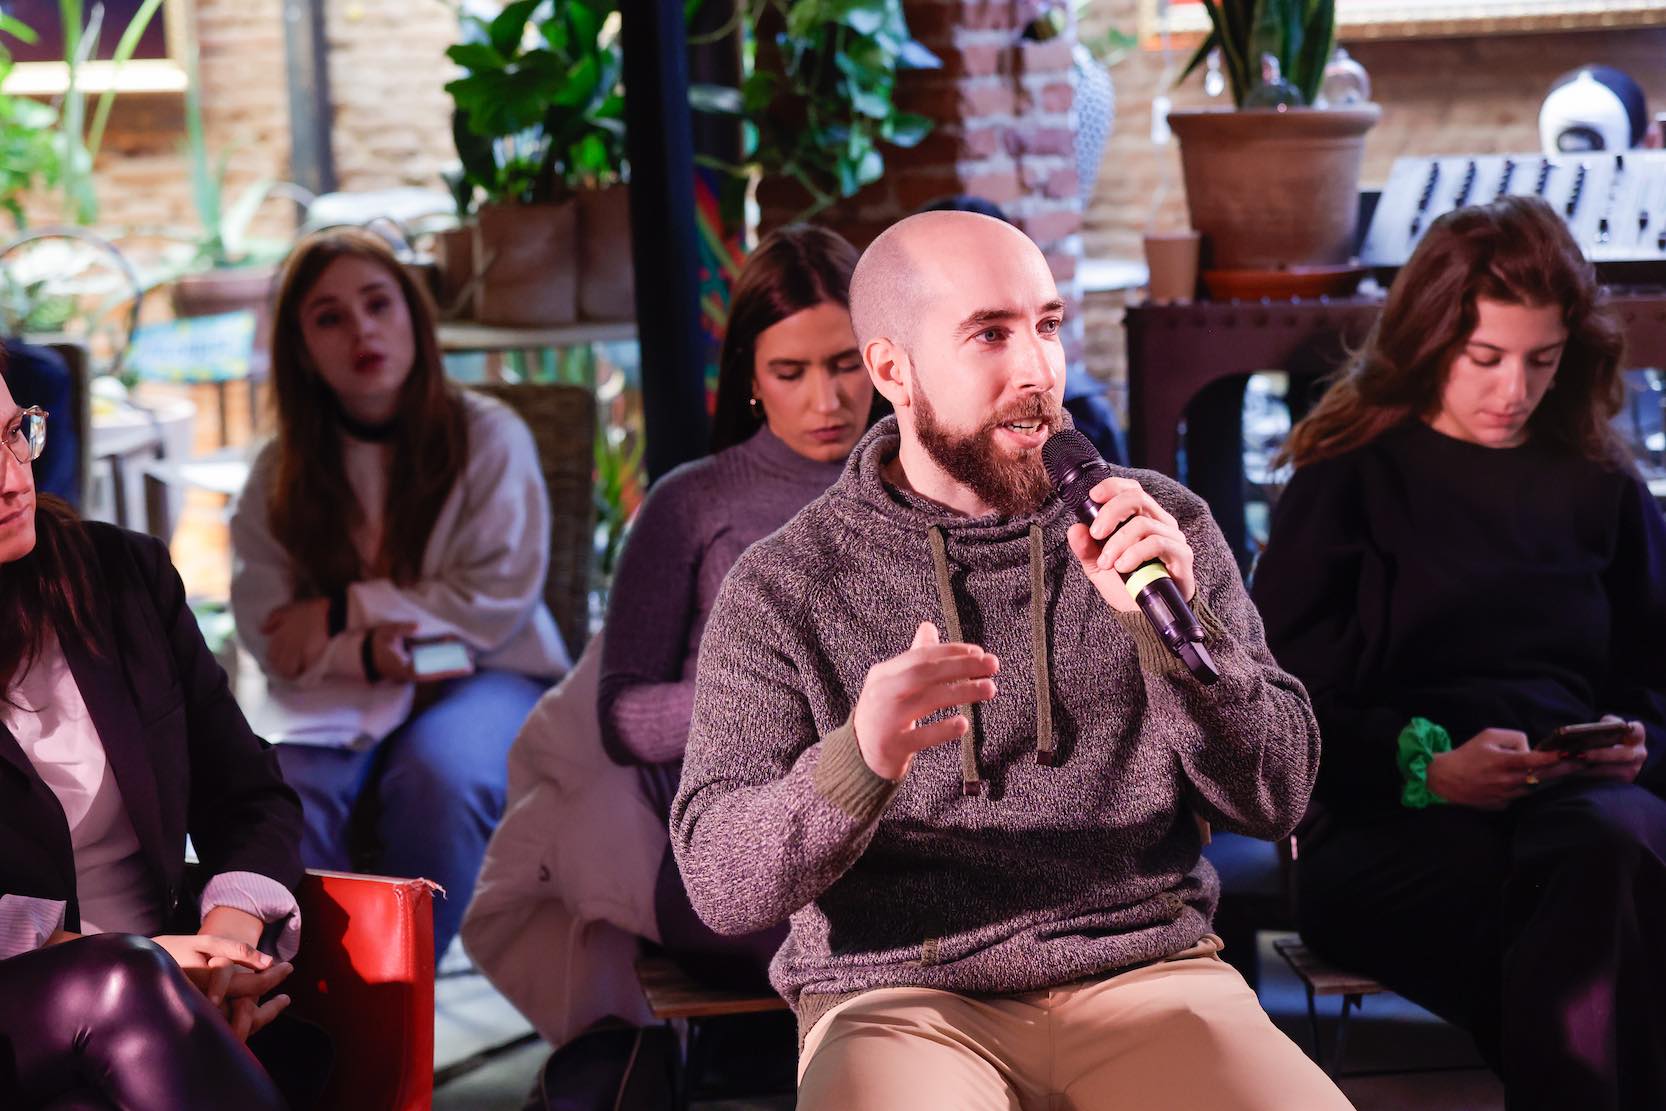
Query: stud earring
(756, 407)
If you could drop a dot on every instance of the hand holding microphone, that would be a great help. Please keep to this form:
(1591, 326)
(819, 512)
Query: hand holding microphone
(1130, 547)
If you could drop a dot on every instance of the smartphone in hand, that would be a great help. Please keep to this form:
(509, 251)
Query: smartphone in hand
(441, 657)
(1570, 739)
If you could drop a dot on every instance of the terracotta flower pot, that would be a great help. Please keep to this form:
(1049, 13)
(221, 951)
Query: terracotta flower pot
(454, 259)
(606, 278)
(217, 291)
(1270, 188)
(212, 292)
(527, 259)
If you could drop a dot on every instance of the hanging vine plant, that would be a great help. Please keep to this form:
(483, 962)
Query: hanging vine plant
(820, 100)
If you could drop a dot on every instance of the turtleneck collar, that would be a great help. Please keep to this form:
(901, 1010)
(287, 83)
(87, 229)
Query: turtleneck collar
(769, 451)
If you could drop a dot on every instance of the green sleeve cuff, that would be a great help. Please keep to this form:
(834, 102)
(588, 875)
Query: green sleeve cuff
(843, 778)
(1155, 657)
(1420, 742)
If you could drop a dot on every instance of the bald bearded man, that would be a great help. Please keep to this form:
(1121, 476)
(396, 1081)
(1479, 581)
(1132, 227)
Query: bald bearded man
(932, 729)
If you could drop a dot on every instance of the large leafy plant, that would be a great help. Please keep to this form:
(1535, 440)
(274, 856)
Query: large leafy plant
(1300, 34)
(28, 155)
(539, 106)
(822, 96)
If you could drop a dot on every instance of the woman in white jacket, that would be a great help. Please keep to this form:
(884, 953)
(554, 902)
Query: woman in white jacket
(390, 507)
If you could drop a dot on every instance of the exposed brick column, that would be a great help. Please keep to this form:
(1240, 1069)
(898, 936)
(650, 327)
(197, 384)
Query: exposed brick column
(388, 72)
(1004, 132)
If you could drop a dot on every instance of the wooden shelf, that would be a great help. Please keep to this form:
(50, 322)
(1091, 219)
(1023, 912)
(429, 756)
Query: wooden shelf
(138, 75)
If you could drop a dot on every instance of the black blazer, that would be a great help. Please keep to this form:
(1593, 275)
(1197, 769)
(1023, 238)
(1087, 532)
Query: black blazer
(178, 745)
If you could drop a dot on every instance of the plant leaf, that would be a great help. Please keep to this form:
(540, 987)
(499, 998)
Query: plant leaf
(875, 103)
(235, 225)
(474, 150)
(579, 85)
(1318, 43)
(870, 169)
(865, 17)
(757, 92)
(125, 46)
(1266, 36)
(907, 129)
(914, 56)
(18, 29)
(1295, 19)
(1199, 56)
(509, 27)
(805, 18)
(586, 24)
(1232, 48)
(478, 57)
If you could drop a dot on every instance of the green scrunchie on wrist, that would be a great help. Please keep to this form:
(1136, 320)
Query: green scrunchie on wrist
(1420, 742)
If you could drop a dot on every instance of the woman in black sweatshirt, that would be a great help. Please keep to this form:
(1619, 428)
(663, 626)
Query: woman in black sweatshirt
(1463, 562)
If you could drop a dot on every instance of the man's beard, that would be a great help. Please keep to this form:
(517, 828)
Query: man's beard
(1013, 485)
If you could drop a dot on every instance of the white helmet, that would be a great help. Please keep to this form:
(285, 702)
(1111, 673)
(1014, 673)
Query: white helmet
(1592, 108)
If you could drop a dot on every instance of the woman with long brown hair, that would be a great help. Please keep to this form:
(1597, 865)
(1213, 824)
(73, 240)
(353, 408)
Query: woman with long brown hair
(1463, 563)
(555, 924)
(124, 980)
(391, 509)
(792, 399)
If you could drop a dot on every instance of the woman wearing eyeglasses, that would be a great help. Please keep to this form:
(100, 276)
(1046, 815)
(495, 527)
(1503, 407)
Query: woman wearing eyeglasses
(120, 984)
(390, 505)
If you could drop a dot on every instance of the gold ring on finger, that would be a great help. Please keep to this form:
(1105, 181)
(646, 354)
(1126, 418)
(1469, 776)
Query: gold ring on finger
(1532, 779)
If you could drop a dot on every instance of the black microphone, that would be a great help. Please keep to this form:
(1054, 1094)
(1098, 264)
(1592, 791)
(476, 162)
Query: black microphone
(1075, 467)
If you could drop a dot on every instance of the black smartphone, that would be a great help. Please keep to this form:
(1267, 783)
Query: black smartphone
(1570, 739)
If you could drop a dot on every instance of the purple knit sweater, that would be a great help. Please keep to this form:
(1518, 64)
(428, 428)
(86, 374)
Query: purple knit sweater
(692, 527)
(1051, 874)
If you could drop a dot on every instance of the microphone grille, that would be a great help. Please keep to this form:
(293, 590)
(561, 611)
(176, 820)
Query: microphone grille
(1065, 451)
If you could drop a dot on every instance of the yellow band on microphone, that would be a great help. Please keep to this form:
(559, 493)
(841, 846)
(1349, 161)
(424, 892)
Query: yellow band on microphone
(1144, 575)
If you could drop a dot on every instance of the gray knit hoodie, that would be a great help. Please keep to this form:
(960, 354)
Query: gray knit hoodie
(1046, 874)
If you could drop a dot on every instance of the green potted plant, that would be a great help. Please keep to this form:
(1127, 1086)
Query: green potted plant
(28, 161)
(1274, 184)
(820, 99)
(28, 153)
(64, 281)
(540, 132)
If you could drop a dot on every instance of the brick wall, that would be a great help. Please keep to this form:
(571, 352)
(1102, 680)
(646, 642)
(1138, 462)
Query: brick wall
(388, 72)
(1439, 96)
(1003, 133)
(392, 115)
(141, 175)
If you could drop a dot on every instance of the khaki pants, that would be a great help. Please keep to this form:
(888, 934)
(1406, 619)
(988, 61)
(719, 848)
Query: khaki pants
(1185, 1034)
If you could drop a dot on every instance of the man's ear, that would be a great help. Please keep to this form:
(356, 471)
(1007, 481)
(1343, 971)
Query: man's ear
(891, 370)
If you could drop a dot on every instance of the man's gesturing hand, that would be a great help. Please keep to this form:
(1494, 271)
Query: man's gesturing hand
(898, 692)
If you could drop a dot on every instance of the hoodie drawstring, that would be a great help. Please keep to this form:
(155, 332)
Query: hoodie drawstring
(970, 782)
(1046, 752)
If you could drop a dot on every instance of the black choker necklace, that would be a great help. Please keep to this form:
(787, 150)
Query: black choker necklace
(370, 433)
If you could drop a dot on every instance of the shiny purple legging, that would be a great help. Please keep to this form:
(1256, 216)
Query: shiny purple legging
(109, 1021)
